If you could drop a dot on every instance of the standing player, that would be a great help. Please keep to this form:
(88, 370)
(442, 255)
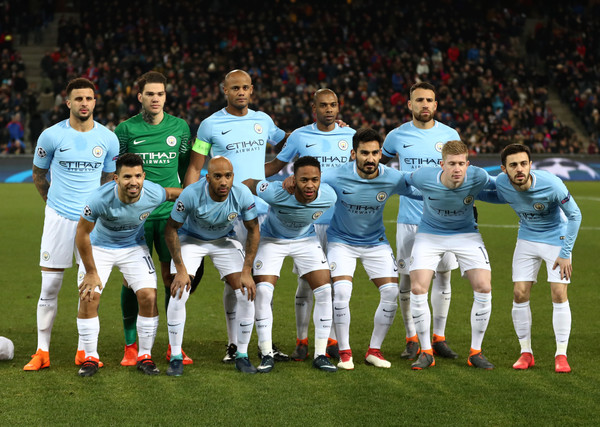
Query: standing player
(448, 225)
(357, 232)
(80, 155)
(162, 141)
(418, 143)
(288, 231)
(241, 135)
(329, 143)
(539, 199)
(110, 233)
(204, 214)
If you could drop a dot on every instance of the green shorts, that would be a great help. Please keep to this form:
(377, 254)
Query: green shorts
(154, 232)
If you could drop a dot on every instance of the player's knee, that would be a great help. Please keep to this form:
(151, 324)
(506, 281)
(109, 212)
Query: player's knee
(146, 298)
(342, 292)
(389, 293)
(520, 296)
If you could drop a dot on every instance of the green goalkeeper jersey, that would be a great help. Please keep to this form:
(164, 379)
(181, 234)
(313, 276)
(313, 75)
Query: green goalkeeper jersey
(164, 148)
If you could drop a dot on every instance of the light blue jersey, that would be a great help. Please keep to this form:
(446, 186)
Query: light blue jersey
(76, 161)
(358, 218)
(287, 217)
(331, 149)
(243, 140)
(547, 212)
(416, 148)
(448, 211)
(118, 224)
(206, 219)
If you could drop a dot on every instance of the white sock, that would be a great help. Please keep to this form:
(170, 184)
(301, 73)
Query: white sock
(561, 321)
(385, 313)
(441, 294)
(146, 330)
(322, 318)
(264, 317)
(480, 317)
(404, 299)
(88, 335)
(304, 303)
(48, 306)
(341, 312)
(421, 316)
(230, 304)
(245, 320)
(521, 315)
(176, 315)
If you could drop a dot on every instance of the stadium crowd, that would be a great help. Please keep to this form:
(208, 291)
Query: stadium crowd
(488, 86)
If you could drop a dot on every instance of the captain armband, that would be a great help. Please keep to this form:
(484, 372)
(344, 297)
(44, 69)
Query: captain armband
(201, 147)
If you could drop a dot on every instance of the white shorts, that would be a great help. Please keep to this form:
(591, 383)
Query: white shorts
(227, 254)
(429, 249)
(58, 241)
(241, 233)
(528, 258)
(135, 263)
(321, 233)
(377, 260)
(307, 254)
(405, 239)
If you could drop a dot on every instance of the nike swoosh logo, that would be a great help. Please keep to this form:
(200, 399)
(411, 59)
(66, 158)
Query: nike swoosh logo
(405, 292)
(45, 299)
(260, 320)
(282, 212)
(432, 199)
(223, 132)
(325, 320)
(310, 145)
(323, 262)
(481, 314)
(244, 325)
(136, 142)
(388, 311)
(347, 192)
(406, 146)
(339, 308)
(416, 317)
(395, 270)
(62, 150)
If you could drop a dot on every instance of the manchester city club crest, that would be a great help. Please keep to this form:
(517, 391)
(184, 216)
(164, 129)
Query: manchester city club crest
(144, 216)
(80, 276)
(45, 255)
(343, 145)
(317, 215)
(332, 266)
(539, 206)
(438, 146)
(257, 128)
(258, 264)
(468, 200)
(97, 151)
(381, 196)
(232, 216)
(171, 141)
(401, 263)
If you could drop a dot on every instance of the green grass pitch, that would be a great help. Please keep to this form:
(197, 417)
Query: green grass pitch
(212, 393)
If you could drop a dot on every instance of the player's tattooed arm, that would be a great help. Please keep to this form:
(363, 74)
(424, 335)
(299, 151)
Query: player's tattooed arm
(41, 181)
(106, 177)
(182, 279)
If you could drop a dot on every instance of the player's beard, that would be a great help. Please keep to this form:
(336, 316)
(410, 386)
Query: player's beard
(84, 118)
(419, 117)
(527, 179)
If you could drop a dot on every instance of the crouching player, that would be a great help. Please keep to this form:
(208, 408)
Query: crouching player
(539, 199)
(205, 214)
(110, 233)
(357, 232)
(288, 231)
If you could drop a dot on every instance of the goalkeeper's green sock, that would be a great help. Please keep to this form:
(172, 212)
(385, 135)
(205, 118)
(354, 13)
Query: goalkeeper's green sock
(129, 308)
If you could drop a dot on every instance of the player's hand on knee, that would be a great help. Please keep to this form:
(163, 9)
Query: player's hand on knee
(566, 268)
(90, 282)
(248, 287)
(181, 281)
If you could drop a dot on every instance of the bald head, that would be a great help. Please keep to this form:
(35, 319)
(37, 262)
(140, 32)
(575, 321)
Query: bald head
(219, 178)
(236, 73)
(219, 163)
